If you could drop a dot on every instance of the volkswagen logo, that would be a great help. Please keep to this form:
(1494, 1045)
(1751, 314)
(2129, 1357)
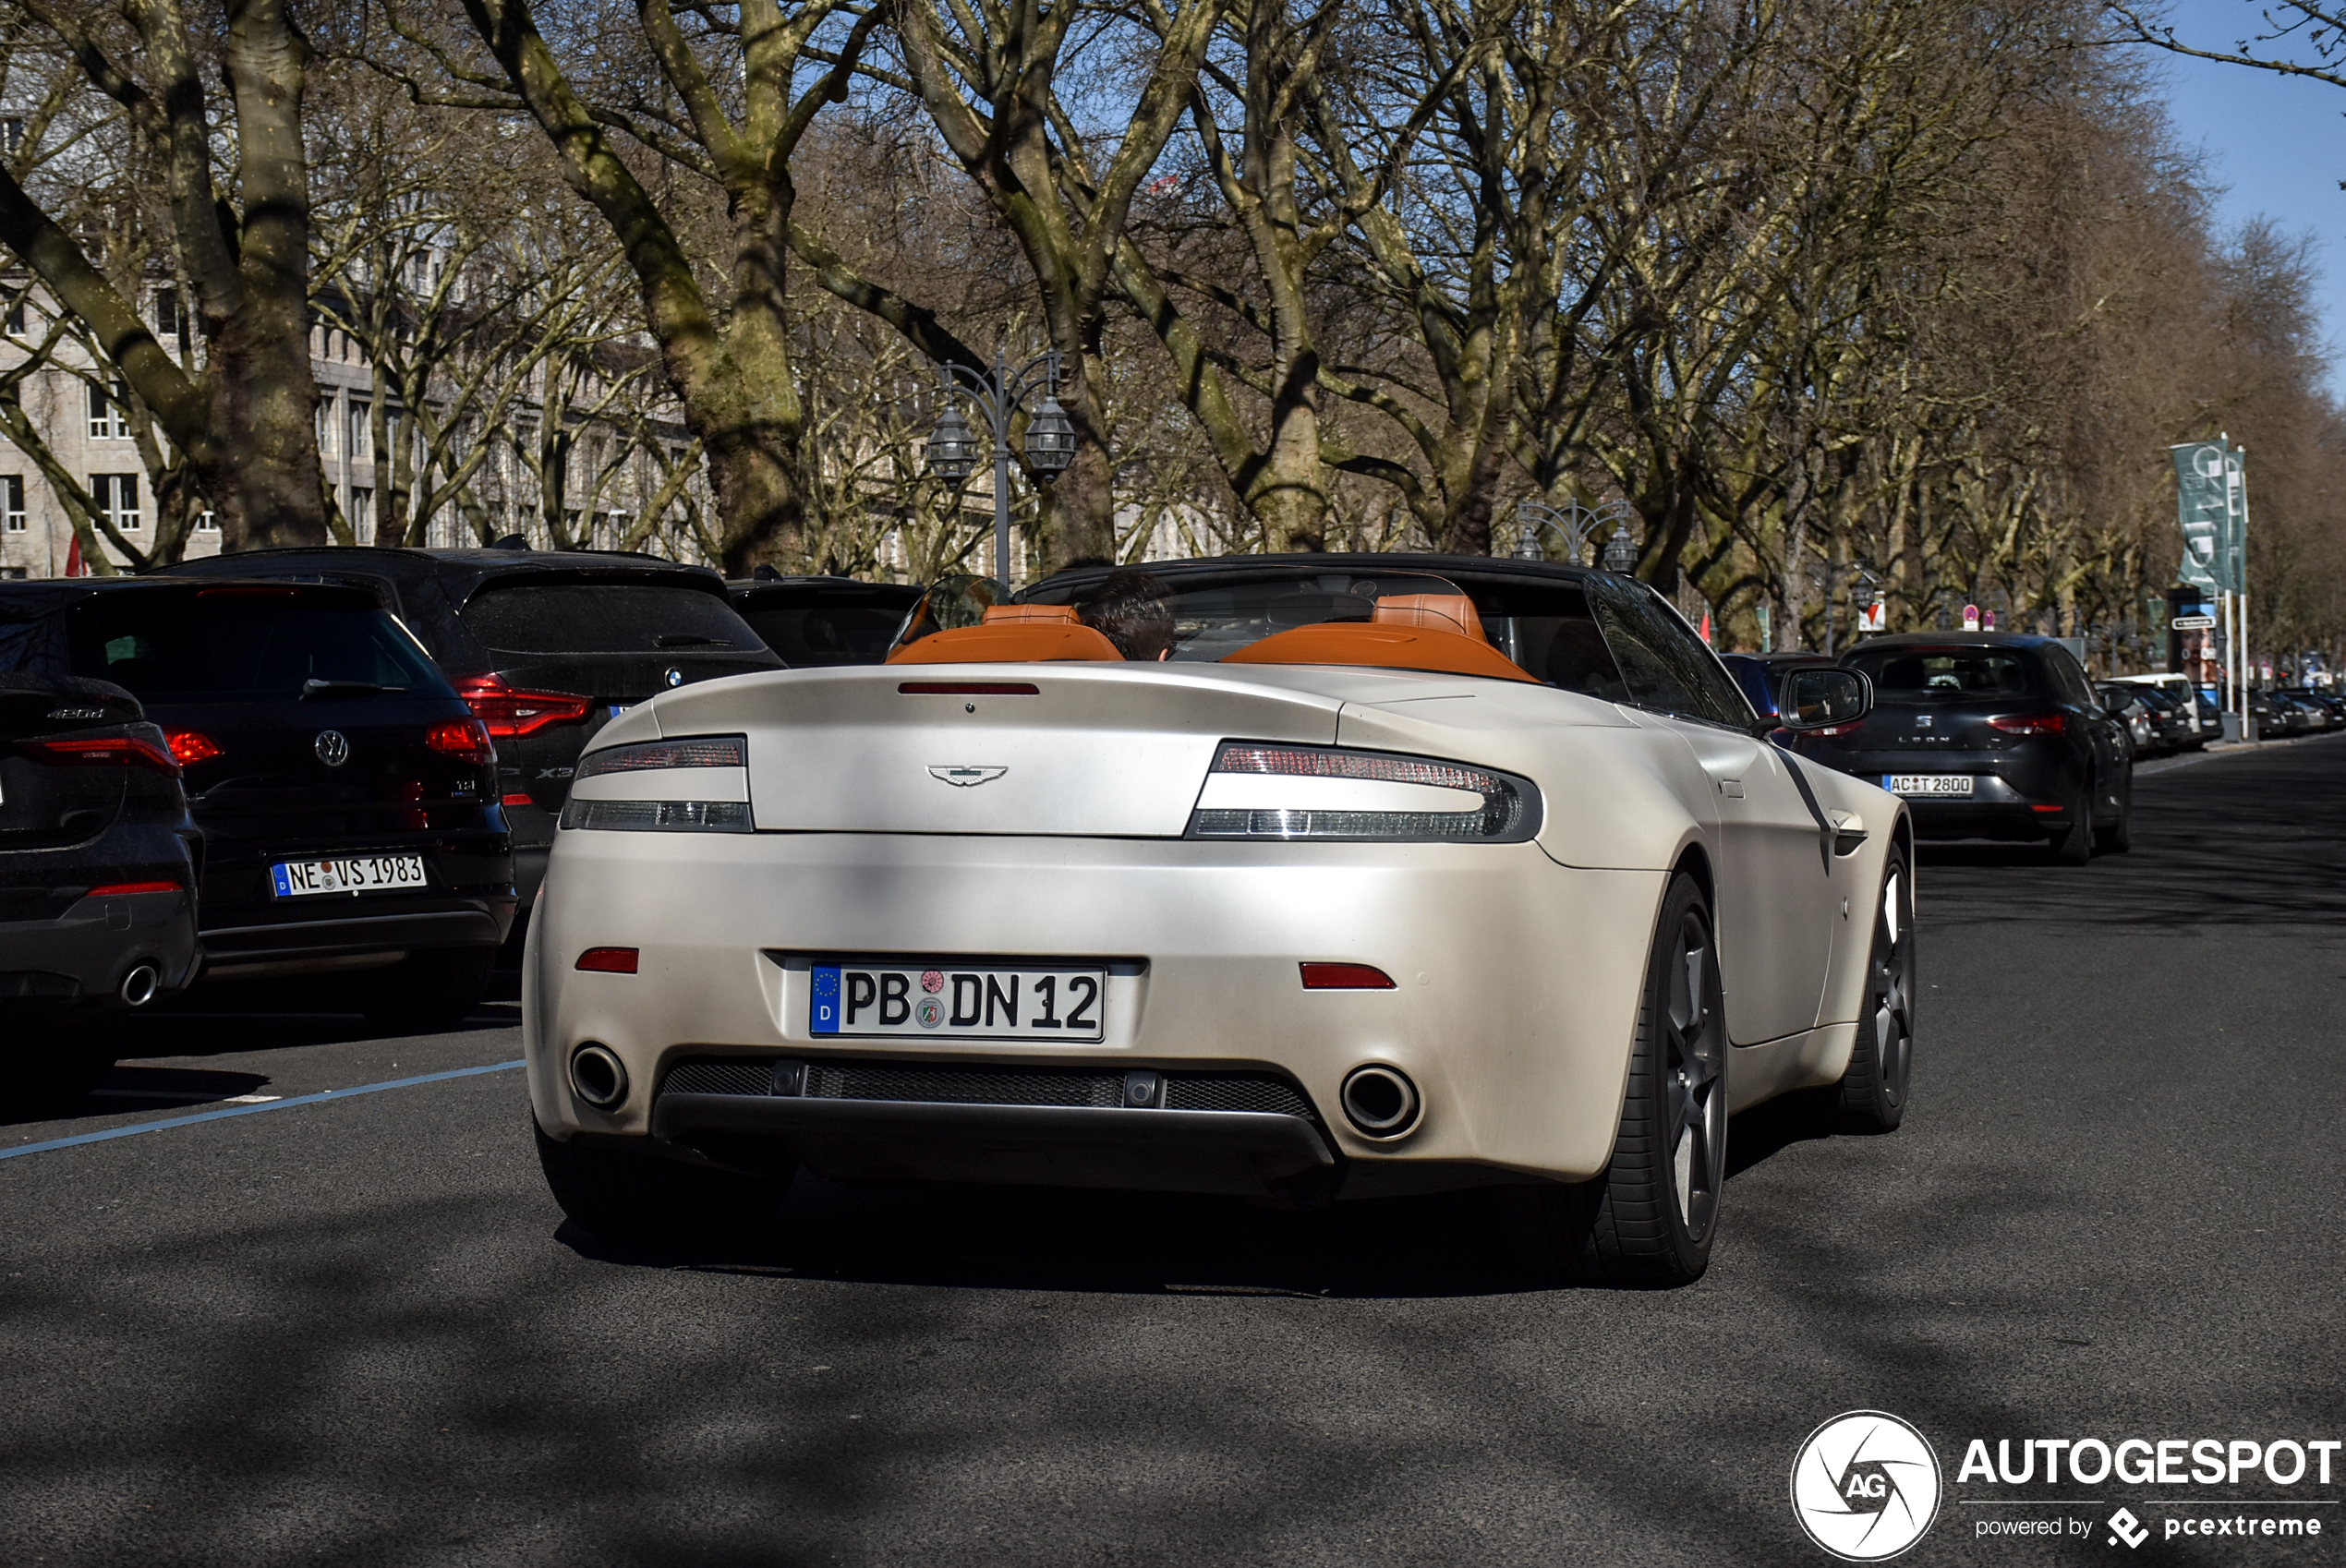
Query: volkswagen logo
(333, 747)
(674, 677)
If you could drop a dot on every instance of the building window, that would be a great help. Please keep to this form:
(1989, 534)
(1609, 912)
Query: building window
(117, 496)
(15, 324)
(12, 501)
(325, 427)
(206, 521)
(362, 512)
(361, 448)
(107, 419)
(12, 134)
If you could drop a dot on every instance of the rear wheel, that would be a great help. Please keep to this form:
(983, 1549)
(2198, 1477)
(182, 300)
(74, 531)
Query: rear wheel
(1649, 1218)
(636, 1196)
(436, 989)
(1873, 1089)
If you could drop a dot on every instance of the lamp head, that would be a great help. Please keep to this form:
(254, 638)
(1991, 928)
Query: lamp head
(1621, 554)
(1050, 438)
(953, 450)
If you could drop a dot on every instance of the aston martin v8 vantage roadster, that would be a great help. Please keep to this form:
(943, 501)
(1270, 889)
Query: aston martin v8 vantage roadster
(1298, 878)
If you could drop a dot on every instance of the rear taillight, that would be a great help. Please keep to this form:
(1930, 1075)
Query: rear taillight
(466, 738)
(2029, 723)
(1831, 730)
(509, 710)
(1260, 789)
(697, 784)
(104, 751)
(190, 746)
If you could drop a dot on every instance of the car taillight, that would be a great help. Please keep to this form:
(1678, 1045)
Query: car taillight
(620, 787)
(510, 710)
(2029, 723)
(1265, 789)
(116, 751)
(190, 746)
(1832, 731)
(466, 738)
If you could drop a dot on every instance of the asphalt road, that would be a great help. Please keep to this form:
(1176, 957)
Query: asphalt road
(360, 1332)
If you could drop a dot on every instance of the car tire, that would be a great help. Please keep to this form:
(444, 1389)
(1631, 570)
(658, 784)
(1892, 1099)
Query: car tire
(634, 1196)
(1648, 1219)
(2075, 844)
(1875, 1086)
(434, 990)
(2119, 837)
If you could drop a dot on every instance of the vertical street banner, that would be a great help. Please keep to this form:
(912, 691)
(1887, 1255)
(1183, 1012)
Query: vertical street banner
(2203, 506)
(2232, 564)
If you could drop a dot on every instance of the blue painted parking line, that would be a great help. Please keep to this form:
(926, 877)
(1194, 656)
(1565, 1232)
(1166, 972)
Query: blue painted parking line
(254, 1110)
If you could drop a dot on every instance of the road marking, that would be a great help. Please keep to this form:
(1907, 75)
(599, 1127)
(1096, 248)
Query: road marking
(253, 1110)
(192, 1097)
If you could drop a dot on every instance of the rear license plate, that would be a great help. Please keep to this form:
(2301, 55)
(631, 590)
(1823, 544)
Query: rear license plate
(359, 874)
(1927, 783)
(942, 1002)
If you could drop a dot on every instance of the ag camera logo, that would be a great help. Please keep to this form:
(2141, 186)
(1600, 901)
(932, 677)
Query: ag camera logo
(1865, 1485)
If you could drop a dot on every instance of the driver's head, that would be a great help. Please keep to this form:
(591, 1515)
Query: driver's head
(1133, 611)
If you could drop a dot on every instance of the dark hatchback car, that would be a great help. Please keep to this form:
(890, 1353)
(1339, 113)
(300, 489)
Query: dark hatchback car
(546, 647)
(98, 870)
(813, 622)
(345, 794)
(1988, 735)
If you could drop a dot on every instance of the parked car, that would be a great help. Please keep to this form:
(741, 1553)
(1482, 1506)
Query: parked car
(1399, 873)
(2205, 720)
(1988, 735)
(2176, 718)
(1761, 676)
(98, 868)
(2326, 707)
(813, 622)
(346, 796)
(546, 647)
(2134, 708)
(2278, 717)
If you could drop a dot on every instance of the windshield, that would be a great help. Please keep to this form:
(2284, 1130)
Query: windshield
(1912, 674)
(1212, 620)
(243, 645)
(613, 617)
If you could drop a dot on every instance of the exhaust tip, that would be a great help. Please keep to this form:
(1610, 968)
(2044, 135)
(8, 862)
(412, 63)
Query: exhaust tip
(598, 1076)
(1380, 1101)
(138, 987)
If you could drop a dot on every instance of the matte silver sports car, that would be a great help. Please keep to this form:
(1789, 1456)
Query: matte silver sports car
(1299, 878)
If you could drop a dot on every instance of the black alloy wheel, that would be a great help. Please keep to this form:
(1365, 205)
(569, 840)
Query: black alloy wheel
(1874, 1088)
(1649, 1218)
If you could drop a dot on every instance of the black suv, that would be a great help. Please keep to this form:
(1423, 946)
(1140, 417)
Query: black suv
(97, 862)
(346, 796)
(1988, 735)
(817, 622)
(545, 647)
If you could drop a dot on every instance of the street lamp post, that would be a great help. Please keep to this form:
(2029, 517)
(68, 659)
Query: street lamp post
(1577, 523)
(998, 393)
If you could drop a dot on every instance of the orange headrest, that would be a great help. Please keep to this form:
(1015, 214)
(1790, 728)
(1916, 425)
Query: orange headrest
(1008, 641)
(1386, 647)
(1050, 614)
(1446, 612)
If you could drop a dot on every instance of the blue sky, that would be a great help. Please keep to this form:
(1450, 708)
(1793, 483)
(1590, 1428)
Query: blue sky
(2278, 143)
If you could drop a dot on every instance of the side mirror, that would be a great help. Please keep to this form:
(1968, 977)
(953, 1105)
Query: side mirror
(1821, 698)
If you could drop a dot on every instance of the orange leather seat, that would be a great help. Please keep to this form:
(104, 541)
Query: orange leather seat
(1031, 614)
(1383, 647)
(1445, 612)
(1009, 642)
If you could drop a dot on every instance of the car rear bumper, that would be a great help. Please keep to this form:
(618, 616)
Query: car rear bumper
(1515, 998)
(473, 923)
(85, 955)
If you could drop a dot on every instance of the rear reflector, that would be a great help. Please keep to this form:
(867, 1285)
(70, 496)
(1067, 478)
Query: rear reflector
(608, 961)
(517, 799)
(114, 887)
(2048, 808)
(969, 689)
(1344, 977)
